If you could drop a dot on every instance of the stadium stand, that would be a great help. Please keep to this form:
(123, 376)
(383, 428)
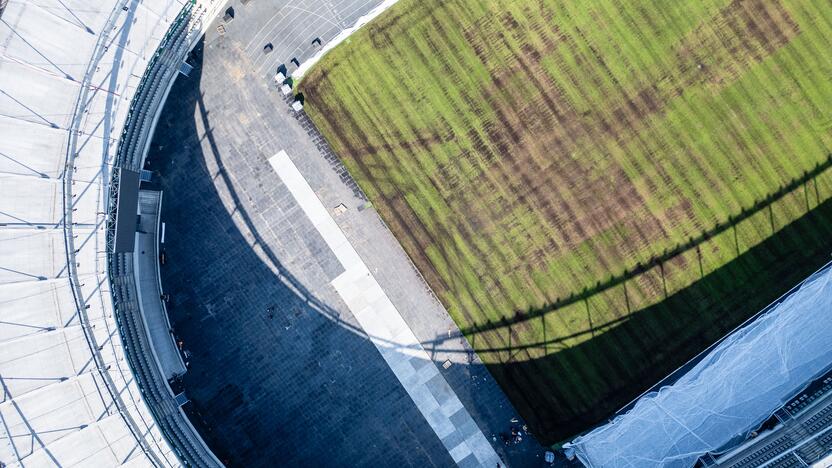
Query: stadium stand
(735, 405)
(69, 69)
(148, 277)
(801, 436)
(131, 152)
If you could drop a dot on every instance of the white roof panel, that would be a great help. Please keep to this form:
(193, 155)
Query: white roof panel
(58, 407)
(30, 149)
(20, 299)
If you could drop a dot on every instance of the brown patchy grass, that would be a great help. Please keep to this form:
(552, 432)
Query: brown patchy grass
(538, 158)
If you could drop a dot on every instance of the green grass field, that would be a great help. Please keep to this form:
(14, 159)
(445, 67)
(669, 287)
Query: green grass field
(596, 190)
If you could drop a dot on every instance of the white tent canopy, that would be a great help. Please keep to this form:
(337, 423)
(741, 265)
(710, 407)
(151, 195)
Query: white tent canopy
(729, 393)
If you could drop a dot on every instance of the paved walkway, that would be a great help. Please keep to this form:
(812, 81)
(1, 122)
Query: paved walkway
(278, 374)
(283, 367)
(390, 334)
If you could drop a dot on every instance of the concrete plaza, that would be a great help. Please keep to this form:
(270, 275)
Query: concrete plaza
(281, 370)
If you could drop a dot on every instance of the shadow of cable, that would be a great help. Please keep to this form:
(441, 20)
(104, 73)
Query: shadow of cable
(692, 244)
(278, 372)
(690, 320)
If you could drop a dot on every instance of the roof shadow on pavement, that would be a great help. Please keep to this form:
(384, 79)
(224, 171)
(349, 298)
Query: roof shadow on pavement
(278, 373)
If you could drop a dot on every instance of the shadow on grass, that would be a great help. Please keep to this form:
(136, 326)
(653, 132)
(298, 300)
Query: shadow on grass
(692, 244)
(234, 364)
(693, 318)
(566, 390)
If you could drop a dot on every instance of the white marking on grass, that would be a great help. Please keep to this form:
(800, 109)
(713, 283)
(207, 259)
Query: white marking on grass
(341, 37)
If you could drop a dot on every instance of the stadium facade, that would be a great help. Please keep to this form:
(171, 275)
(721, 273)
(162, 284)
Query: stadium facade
(798, 434)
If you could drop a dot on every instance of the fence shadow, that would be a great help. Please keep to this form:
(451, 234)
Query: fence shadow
(692, 244)
(692, 319)
(233, 365)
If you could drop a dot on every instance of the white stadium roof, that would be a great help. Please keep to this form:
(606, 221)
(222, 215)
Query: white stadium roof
(68, 72)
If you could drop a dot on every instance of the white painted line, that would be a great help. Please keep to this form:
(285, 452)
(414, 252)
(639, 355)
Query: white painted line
(388, 331)
(342, 36)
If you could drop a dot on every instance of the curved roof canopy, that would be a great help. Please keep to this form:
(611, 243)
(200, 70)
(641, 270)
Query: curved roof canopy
(68, 71)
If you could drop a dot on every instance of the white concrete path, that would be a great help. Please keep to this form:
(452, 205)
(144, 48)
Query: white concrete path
(390, 334)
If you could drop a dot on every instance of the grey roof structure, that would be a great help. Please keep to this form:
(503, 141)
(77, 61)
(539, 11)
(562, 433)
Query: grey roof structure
(69, 70)
(798, 434)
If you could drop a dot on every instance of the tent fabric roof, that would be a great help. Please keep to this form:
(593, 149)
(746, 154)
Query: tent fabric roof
(69, 396)
(729, 393)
